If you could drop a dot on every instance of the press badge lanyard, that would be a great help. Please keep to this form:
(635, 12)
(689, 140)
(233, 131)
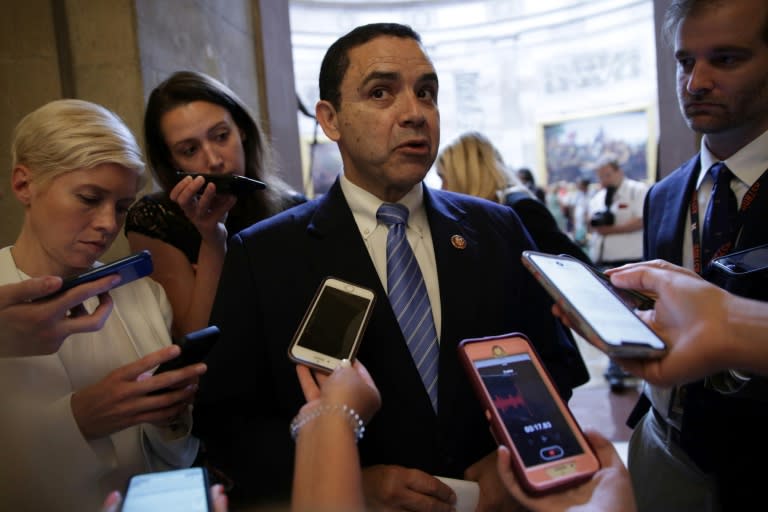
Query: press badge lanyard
(746, 203)
(675, 406)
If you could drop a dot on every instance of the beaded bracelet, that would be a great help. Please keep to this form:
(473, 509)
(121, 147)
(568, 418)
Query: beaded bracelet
(357, 424)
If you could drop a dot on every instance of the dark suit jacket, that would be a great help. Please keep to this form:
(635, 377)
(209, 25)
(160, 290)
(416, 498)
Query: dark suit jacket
(250, 392)
(719, 431)
(667, 206)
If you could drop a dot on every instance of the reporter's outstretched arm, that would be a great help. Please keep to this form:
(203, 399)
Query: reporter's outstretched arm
(39, 328)
(610, 489)
(706, 328)
(327, 474)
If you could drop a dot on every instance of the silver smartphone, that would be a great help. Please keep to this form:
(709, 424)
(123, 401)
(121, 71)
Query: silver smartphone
(600, 314)
(181, 490)
(333, 324)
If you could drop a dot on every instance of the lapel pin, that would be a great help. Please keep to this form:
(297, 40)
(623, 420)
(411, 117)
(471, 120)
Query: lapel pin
(459, 242)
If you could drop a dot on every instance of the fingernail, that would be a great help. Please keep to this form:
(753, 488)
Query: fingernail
(345, 363)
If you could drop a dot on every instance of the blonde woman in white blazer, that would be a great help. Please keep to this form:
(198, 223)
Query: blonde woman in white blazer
(78, 423)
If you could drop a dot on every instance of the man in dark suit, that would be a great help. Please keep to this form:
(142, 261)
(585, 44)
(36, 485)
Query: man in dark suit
(378, 93)
(697, 447)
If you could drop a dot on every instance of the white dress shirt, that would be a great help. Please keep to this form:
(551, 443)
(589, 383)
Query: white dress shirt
(364, 206)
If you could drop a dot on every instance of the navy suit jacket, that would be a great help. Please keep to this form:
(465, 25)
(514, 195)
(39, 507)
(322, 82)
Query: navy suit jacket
(667, 206)
(250, 393)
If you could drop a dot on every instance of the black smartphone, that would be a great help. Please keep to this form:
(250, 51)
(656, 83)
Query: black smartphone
(180, 490)
(601, 315)
(333, 325)
(744, 273)
(234, 184)
(526, 413)
(194, 347)
(129, 268)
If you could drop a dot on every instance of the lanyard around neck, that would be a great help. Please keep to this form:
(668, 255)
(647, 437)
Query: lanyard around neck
(746, 203)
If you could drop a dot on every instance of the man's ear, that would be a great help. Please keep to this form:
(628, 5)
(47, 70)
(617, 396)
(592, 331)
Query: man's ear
(327, 117)
(21, 181)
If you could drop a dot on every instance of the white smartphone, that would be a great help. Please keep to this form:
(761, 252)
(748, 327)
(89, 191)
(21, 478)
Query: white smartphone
(526, 413)
(181, 490)
(333, 325)
(600, 314)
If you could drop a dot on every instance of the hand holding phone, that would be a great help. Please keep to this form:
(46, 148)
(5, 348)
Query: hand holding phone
(600, 314)
(333, 325)
(182, 490)
(194, 347)
(240, 186)
(527, 415)
(129, 268)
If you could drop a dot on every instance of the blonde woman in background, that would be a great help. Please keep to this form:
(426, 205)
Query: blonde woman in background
(472, 165)
(79, 422)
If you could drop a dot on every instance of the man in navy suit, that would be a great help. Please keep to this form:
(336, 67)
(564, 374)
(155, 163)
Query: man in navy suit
(378, 93)
(698, 446)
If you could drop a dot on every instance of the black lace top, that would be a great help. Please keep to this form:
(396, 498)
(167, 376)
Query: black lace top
(157, 216)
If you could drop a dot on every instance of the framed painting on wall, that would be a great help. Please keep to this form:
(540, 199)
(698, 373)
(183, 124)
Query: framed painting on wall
(572, 148)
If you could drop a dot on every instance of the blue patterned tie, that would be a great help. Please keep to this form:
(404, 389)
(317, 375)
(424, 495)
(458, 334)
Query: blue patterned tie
(408, 296)
(721, 217)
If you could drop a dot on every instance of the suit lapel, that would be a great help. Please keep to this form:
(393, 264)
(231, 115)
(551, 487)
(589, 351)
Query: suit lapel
(670, 210)
(456, 254)
(336, 244)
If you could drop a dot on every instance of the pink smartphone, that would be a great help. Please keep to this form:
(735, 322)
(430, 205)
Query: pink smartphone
(527, 414)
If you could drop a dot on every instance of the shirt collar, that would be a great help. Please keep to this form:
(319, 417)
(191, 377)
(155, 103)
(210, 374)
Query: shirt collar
(747, 164)
(364, 206)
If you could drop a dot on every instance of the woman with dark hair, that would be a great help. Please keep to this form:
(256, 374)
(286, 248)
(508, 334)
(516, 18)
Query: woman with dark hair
(196, 124)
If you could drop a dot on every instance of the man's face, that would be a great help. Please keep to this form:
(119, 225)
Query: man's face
(388, 123)
(722, 71)
(608, 176)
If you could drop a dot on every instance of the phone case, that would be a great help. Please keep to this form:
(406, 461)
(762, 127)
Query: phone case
(546, 476)
(130, 268)
(743, 273)
(194, 347)
(325, 364)
(229, 183)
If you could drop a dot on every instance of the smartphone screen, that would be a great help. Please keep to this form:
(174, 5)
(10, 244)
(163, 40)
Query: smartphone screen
(333, 325)
(526, 413)
(182, 490)
(530, 415)
(601, 314)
